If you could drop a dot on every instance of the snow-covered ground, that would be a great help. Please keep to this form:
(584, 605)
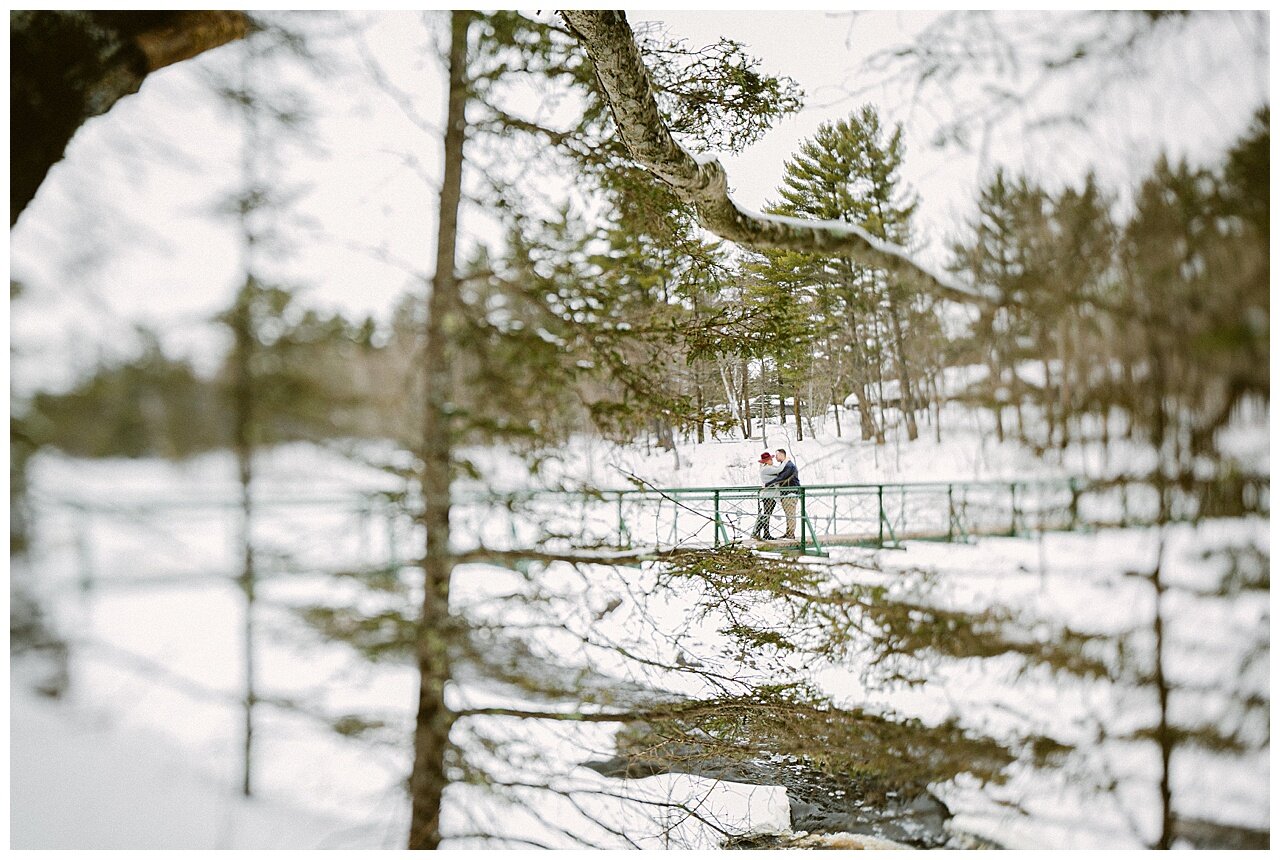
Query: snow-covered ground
(144, 750)
(88, 776)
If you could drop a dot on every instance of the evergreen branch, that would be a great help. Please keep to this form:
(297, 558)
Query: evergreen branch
(599, 717)
(741, 705)
(504, 120)
(516, 840)
(690, 811)
(555, 826)
(718, 679)
(399, 97)
(507, 556)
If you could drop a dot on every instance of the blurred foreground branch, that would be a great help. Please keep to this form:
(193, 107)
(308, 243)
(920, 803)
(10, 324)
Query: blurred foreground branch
(67, 67)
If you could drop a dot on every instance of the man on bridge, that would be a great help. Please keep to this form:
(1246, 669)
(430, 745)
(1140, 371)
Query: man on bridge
(788, 477)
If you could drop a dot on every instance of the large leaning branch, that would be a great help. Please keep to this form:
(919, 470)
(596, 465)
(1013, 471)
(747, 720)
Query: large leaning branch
(609, 42)
(69, 66)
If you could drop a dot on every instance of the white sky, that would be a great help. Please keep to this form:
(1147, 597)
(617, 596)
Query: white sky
(122, 232)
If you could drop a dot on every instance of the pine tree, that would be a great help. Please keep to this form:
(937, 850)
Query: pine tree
(260, 388)
(849, 172)
(1005, 249)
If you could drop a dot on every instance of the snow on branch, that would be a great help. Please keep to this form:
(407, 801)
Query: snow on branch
(609, 42)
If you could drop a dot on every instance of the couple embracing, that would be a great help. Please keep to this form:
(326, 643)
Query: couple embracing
(775, 473)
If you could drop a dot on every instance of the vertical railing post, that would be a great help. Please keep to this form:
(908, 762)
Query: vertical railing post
(621, 524)
(1075, 504)
(718, 526)
(804, 520)
(1013, 510)
(84, 548)
(393, 555)
(951, 515)
(364, 516)
(880, 508)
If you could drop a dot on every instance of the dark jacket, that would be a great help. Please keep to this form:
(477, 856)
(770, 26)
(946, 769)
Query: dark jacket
(788, 477)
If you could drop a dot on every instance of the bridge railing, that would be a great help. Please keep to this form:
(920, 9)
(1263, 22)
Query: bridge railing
(865, 514)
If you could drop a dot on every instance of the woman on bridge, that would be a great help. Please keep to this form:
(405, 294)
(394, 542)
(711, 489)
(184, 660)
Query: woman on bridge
(768, 496)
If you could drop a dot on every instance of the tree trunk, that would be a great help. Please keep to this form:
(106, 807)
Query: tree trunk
(859, 379)
(248, 583)
(934, 403)
(908, 404)
(663, 434)
(431, 736)
(1105, 411)
(866, 414)
(243, 441)
(730, 395)
(986, 329)
(808, 416)
(1065, 398)
(1055, 421)
(881, 422)
(702, 409)
(246, 417)
(764, 404)
(799, 429)
(1164, 731)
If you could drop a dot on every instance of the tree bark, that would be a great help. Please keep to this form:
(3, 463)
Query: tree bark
(243, 419)
(608, 40)
(700, 427)
(248, 584)
(905, 388)
(731, 396)
(431, 736)
(66, 67)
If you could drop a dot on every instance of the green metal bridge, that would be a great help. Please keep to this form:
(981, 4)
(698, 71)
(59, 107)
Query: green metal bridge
(879, 515)
(870, 515)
